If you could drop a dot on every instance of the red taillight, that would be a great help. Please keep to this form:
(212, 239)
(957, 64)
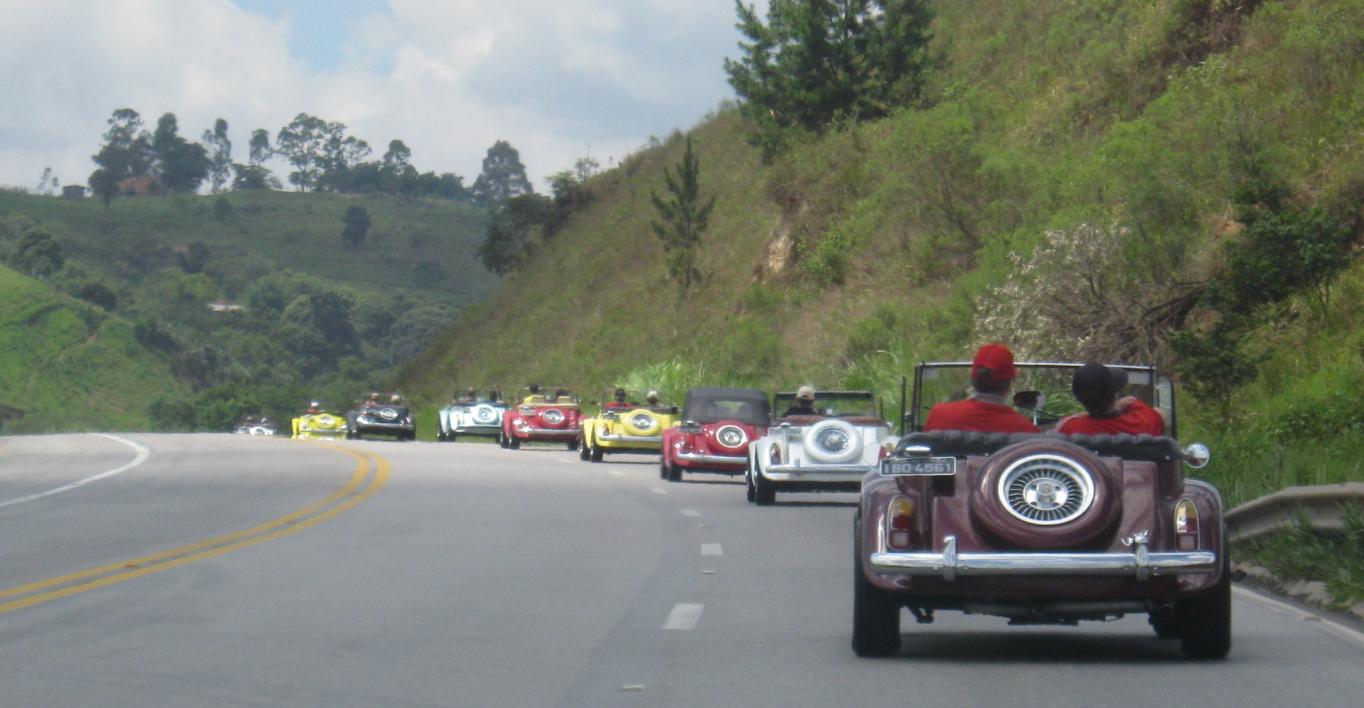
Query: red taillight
(900, 523)
(1186, 525)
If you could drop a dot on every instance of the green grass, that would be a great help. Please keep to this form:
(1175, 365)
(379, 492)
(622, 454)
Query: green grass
(69, 366)
(1300, 553)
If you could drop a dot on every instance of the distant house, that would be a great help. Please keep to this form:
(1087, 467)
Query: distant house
(224, 307)
(74, 192)
(141, 186)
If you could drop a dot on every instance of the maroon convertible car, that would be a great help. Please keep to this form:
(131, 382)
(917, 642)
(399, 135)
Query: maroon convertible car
(1041, 528)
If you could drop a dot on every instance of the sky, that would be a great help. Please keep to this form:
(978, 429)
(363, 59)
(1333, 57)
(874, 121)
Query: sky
(558, 79)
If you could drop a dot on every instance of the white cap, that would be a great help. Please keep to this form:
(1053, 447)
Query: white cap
(805, 393)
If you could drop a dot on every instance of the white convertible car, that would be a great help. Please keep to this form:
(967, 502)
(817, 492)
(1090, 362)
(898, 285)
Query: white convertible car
(827, 451)
(475, 412)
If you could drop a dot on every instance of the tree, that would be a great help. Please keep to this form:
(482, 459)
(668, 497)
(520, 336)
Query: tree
(219, 155)
(98, 294)
(126, 152)
(818, 61)
(503, 176)
(260, 147)
(302, 142)
(38, 254)
(683, 218)
(357, 226)
(182, 165)
(48, 183)
(508, 242)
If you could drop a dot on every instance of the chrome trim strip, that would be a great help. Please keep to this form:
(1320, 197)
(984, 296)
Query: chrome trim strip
(609, 437)
(713, 459)
(950, 563)
(818, 469)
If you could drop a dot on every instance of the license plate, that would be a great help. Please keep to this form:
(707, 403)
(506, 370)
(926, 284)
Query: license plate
(919, 466)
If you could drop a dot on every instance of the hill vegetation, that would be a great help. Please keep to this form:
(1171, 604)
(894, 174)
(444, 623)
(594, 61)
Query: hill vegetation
(305, 303)
(1106, 180)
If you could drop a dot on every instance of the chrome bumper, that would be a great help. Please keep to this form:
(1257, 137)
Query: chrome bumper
(814, 473)
(702, 459)
(554, 432)
(477, 429)
(1140, 564)
(630, 438)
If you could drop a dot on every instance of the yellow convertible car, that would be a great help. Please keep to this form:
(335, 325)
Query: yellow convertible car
(315, 423)
(625, 424)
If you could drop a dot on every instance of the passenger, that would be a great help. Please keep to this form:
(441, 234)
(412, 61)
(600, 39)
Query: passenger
(534, 392)
(373, 400)
(1096, 387)
(986, 409)
(314, 407)
(395, 400)
(804, 403)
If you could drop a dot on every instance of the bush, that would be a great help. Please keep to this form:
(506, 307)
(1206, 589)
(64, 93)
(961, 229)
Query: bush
(97, 294)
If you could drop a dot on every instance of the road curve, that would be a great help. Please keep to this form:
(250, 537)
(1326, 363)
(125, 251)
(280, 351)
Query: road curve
(463, 574)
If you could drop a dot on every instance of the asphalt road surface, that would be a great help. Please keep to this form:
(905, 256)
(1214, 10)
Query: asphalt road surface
(205, 570)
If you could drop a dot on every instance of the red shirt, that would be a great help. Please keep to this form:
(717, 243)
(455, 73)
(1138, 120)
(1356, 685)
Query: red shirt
(1137, 419)
(977, 415)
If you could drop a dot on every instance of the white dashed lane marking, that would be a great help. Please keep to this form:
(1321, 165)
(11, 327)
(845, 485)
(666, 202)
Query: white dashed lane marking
(616, 473)
(659, 491)
(684, 617)
(711, 549)
(691, 512)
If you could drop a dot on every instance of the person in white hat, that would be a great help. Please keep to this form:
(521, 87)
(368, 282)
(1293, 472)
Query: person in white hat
(804, 403)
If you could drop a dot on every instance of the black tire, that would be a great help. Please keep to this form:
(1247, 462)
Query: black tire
(502, 441)
(595, 454)
(663, 470)
(573, 445)
(876, 613)
(450, 437)
(440, 436)
(764, 491)
(1205, 620)
(674, 473)
(514, 443)
(752, 493)
(583, 453)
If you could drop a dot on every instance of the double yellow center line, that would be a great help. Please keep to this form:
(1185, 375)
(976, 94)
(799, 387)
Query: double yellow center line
(361, 486)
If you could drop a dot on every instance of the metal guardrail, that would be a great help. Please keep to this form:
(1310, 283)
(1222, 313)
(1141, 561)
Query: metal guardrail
(1322, 506)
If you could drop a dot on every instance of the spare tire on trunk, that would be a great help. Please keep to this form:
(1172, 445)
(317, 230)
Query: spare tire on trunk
(1046, 494)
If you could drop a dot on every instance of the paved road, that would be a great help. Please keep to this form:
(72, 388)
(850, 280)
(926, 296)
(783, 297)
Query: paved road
(218, 570)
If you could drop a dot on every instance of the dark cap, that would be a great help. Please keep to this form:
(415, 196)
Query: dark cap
(1096, 385)
(993, 363)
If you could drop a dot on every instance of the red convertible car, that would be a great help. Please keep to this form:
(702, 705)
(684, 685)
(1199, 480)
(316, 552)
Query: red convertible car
(718, 426)
(546, 414)
(1041, 528)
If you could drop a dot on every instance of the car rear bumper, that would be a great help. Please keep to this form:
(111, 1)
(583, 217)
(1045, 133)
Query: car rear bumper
(526, 432)
(492, 430)
(697, 458)
(1140, 564)
(816, 473)
(640, 439)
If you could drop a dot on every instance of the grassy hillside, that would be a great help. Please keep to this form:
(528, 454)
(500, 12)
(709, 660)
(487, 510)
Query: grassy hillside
(69, 366)
(1059, 144)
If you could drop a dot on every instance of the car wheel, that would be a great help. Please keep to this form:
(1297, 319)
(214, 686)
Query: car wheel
(674, 473)
(502, 441)
(440, 437)
(764, 490)
(584, 454)
(573, 445)
(1205, 620)
(1091, 492)
(514, 443)
(876, 614)
(596, 453)
(748, 482)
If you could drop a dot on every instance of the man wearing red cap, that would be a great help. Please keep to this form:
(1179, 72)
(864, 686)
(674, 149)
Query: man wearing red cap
(987, 409)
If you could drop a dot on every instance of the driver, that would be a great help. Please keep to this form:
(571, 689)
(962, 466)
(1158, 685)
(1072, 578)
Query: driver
(986, 410)
(804, 404)
(618, 399)
(314, 407)
(1096, 387)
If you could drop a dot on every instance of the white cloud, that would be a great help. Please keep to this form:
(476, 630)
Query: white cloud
(556, 79)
